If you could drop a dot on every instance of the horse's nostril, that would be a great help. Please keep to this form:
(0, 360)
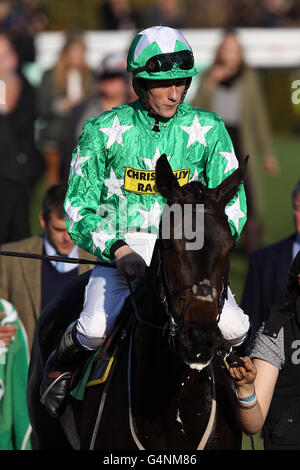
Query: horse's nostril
(204, 291)
(198, 344)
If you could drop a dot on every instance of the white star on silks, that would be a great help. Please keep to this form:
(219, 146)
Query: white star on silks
(232, 162)
(166, 42)
(114, 185)
(195, 177)
(196, 132)
(151, 162)
(115, 133)
(72, 214)
(76, 164)
(234, 212)
(100, 239)
(151, 218)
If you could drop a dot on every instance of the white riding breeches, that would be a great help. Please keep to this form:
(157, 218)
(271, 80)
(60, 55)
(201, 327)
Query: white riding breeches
(105, 295)
(107, 291)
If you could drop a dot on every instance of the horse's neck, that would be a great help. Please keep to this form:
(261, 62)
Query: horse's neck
(153, 309)
(160, 379)
(152, 352)
(153, 358)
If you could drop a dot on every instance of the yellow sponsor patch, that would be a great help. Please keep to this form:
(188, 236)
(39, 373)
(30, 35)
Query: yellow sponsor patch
(143, 181)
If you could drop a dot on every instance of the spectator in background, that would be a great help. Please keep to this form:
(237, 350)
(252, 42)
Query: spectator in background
(232, 90)
(62, 87)
(245, 13)
(268, 272)
(14, 209)
(30, 284)
(165, 12)
(276, 13)
(111, 90)
(23, 21)
(19, 157)
(15, 429)
(5, 9)
(118, 14)
(212, 14)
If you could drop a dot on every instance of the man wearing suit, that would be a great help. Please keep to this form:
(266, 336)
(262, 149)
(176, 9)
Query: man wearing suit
(30, 284)
(268, 270)
(14, 209)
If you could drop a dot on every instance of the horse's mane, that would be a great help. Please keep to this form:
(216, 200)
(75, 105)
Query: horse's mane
(195, 192)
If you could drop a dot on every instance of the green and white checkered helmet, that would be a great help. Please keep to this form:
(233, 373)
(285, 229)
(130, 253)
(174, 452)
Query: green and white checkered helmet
(161, 53)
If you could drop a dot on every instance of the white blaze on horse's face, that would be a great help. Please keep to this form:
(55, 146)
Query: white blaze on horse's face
(209, 297)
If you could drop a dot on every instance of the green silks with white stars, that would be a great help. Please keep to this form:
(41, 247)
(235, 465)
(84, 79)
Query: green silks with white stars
(112, 176)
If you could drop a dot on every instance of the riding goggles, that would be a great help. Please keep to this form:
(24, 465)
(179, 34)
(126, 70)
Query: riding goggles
(165, 62)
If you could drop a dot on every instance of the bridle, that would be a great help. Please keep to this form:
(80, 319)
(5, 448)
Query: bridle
(166, 293)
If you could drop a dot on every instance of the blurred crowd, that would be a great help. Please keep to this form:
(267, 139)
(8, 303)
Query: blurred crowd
(23, 19)
(40, 124)
(121, 14)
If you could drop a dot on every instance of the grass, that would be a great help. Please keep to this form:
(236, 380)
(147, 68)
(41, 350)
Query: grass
(276, 217)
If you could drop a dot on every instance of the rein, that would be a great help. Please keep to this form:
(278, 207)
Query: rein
(62, 259)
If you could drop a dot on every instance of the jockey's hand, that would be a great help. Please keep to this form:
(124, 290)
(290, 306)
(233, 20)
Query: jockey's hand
(7, 332)
(243, 375)
(129, 262)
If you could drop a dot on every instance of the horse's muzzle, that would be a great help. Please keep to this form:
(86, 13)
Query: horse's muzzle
(197, 344)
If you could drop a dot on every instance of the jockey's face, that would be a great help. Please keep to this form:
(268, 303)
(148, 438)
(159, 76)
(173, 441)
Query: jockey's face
(57, 233)
(164, 96)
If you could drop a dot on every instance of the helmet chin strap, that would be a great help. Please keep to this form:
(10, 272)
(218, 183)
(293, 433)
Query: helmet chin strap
(140, 90)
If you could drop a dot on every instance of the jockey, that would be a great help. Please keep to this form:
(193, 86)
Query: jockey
(111, 206)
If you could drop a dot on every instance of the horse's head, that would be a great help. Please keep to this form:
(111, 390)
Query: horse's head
(194, 272)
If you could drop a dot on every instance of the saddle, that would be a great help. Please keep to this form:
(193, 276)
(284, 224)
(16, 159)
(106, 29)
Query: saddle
(98, 367)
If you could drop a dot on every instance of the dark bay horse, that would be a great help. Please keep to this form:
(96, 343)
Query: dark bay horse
(168, 390)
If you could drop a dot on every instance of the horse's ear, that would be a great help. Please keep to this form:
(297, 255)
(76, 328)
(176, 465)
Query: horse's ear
(228, 188)
(165, 180)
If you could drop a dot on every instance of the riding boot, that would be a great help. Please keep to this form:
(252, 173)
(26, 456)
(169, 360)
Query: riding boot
(59, 369)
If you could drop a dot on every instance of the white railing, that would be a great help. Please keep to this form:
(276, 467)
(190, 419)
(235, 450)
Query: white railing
(263, 48)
